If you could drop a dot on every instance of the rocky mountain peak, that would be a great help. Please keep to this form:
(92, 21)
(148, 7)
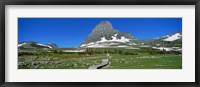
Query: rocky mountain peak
(103, 25)
(104, 33)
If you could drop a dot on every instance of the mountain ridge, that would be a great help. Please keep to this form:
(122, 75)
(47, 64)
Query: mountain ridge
(34, 45)
(104, 32)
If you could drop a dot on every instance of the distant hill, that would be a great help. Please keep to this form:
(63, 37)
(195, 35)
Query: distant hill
(174, 39)
(35, 45)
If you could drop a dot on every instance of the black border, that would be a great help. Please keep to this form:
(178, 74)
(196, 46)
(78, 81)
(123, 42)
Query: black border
(98, 2)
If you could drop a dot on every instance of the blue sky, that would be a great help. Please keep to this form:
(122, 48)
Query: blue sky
(69, 32)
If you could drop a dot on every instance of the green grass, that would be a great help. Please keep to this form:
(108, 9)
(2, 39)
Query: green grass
(143, 58)
(59, 61)
(146, 61)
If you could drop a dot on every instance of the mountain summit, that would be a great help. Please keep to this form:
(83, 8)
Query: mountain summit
(104, 35)
(103, 25)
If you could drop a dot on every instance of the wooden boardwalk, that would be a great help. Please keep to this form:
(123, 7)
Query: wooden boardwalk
(103, 63)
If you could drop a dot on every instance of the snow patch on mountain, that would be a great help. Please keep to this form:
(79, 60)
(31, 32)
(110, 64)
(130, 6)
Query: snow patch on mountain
(104, 40)
(173, 37)
(122, 46)
(168, 48)
(163, 48)
(97, 45)
(114, 39)
(132, 44)
(21, 44)
(44, 45)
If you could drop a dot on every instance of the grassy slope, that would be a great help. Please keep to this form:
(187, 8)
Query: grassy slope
(59, 61)
(145, 61)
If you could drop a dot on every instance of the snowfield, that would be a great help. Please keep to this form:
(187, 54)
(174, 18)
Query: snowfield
(105, 41)
(132, 44)
(44, 45)
(173, 37)
(165, 48)
(122, 46)
(21, 44)
(168, 48)
(74, 51)
(96, 45)
(114, 39)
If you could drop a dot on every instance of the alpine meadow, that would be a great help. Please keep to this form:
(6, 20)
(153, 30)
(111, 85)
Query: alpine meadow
(99, 43)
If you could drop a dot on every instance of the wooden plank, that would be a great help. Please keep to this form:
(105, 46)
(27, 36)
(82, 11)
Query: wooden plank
(103, 63)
